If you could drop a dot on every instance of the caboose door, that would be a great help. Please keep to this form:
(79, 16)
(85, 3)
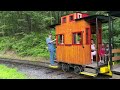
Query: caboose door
(87, 45)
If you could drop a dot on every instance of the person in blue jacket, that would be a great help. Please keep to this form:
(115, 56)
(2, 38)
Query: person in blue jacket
(51, 48)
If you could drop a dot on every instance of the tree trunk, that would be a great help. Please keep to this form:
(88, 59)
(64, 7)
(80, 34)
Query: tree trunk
(28, 19)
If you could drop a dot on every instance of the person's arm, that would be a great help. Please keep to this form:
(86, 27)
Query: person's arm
(54, 40)
(95, 47)
(92, 50)
(51, 41)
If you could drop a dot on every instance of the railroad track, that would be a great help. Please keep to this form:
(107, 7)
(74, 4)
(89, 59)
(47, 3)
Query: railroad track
(48, 71)
(40, 66)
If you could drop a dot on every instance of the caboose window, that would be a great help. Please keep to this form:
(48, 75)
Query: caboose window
(77, 38)
(71, 18)
(64, 20)
(60, 39)
(79, 16)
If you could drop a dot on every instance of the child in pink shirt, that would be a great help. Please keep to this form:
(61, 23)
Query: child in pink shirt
(102, 52)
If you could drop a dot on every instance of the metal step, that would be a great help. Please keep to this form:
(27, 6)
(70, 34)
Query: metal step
(90, 70)
(89, 74)
(92, 65)
(55, 67)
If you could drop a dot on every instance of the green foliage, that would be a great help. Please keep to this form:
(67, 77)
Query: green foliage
(25, 31)
(31, 45)
(6, 43)
(10, 73)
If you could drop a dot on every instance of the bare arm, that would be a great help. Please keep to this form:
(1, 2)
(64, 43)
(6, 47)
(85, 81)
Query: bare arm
(52, 41)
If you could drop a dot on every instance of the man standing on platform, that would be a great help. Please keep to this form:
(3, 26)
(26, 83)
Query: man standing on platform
(51, 49)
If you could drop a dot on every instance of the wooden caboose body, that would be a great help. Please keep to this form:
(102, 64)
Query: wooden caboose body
(74, 39)
(73, 43)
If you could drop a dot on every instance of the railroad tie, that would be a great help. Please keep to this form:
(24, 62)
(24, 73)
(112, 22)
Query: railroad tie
(60, 73)
(50, 72)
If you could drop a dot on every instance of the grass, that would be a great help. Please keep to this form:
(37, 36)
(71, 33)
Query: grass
(10, 73)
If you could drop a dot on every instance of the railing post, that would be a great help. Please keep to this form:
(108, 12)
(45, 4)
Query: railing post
(97, 41)
(110, 37)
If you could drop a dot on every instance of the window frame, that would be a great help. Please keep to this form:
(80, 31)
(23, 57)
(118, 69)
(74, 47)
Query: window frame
(81, 42)
(89, 38)
(63, 19)
(63, 40)
(80, 15)
(72, 16)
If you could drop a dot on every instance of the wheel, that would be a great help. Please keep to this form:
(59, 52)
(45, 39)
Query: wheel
(78, 69)
(65, 67)
(60, 65)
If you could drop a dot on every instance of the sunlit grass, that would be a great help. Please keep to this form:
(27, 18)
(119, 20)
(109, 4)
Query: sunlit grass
(10, 73)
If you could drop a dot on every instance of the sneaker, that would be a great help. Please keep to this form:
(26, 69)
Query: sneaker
(53, 65)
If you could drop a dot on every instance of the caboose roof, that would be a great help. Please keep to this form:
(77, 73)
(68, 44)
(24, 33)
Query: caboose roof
(114, 13)
(91, 19)
(102, 18)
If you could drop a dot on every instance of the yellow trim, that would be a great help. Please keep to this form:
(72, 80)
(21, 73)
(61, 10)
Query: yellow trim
(104, 69)
(113, 63)
(88, 74)
(53, 66)
(110, 72)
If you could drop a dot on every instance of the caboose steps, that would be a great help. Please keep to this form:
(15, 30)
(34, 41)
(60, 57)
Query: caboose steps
(90, 70)
(89, 74)
(92, 65)
(94, 69)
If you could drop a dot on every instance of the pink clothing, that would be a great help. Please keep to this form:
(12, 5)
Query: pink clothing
(102, 52)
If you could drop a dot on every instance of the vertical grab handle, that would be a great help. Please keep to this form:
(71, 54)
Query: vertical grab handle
(82, 39)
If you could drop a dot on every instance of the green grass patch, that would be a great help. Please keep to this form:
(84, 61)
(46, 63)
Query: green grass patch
(10, 73)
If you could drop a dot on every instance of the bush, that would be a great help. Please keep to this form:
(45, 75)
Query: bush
(6, 43)
(32, 44)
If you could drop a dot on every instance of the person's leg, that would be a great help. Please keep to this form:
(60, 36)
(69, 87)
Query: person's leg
(51, 57)
(100, 57)
(92, 54)
(54, 55)
(92, 57)
(104, 58)
(107, 58)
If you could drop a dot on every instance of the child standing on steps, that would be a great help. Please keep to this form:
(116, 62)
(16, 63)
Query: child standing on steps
(93, 49)
(102, 52)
